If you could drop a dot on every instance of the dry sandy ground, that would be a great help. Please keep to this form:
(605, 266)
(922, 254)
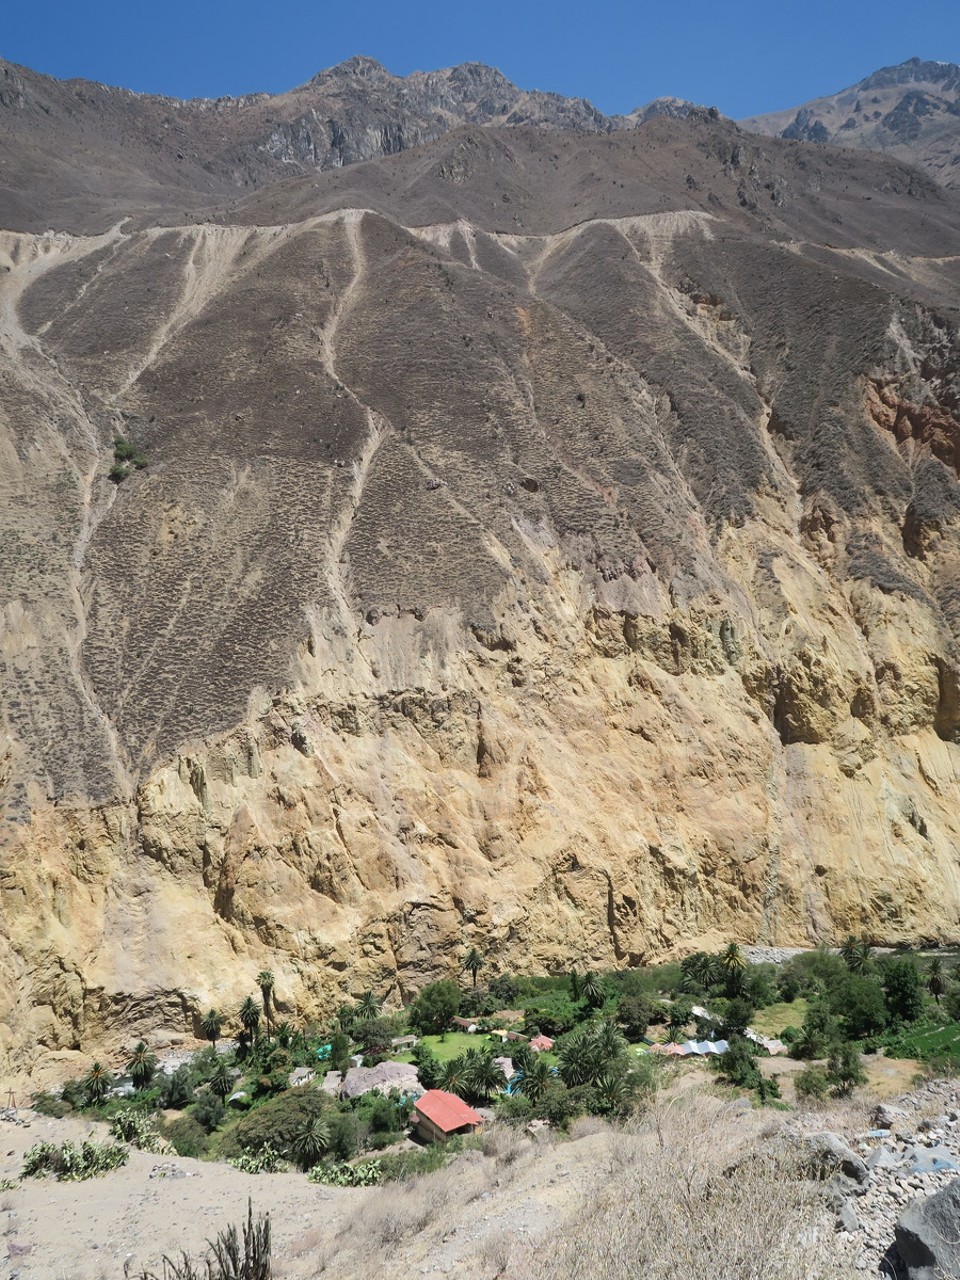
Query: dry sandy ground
(457, 1226)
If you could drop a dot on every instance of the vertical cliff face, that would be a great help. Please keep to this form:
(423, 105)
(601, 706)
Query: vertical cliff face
(573, 573)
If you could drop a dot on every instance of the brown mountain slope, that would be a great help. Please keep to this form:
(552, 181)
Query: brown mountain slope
(84, 155)
(547, 542)
(911, 111)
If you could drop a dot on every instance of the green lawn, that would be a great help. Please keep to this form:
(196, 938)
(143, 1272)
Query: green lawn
(452, 1045)
(775, 1017)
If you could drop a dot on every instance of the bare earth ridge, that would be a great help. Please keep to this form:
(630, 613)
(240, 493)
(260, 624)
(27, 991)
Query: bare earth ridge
(549, 540)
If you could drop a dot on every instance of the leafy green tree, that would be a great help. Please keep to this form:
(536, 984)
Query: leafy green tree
(473, 963)
(818, 1033)
(265, 981)
(435, 1006)
(859, 1003)
(736, 1017)
(212, 1024)
(429, 1067)
(96, 1084)
(634, 1014)
(680, 1014)
(903, 988)
(952, 1002)
(142, 1066)
(340, 1055)
(936, 982)
(250, 1016)
(310, 1142)
(454, 1075)
(176, 1092)
(845, 1070)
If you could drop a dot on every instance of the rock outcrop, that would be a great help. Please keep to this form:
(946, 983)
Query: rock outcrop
(547, 542)
(927, 1236)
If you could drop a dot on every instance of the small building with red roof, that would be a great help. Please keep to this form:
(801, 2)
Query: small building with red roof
(541, 1044)
(440, 1115)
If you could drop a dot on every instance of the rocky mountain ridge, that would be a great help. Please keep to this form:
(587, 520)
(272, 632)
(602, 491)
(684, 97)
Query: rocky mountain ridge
(911, 111)
(546, 540)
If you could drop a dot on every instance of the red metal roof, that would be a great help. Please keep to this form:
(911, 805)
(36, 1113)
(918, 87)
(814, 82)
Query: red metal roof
(446, 1110)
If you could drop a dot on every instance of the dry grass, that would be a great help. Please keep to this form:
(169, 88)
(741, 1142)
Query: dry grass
(682, 1199)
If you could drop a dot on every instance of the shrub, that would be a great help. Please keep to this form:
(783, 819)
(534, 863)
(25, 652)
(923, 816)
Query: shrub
(265, 1160)
(187, 1137)
(812, 1083)
(402, 1165)
(277, 1122)
(365, 1174)
(139, 1129)
(844, 1070)
(73, 1161)
(47, 1104)
(176, 1090)
(208, 1110)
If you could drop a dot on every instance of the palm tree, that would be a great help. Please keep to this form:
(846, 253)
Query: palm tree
(310, 1142)
(141, 1066)
(481, 1075)
(250, 1016)
(848, 950)
(96, 1084)
(576, 988)
(265, 983)
(368, 1006)
(936, 983)
(592, 989)
(473, 963)
(346, 1017)
(285, 1034)
(211, 1024)
(535, 1081)
(221, 1082)
(454, 1076)
(734, 967)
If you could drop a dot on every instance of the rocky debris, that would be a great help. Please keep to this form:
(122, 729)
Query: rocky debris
(928, 1235)
(908, 1166)
(15, 1115)
(171, 1171)
(771, 955)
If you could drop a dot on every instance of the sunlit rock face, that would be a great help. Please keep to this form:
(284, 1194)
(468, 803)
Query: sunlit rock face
(546, 541)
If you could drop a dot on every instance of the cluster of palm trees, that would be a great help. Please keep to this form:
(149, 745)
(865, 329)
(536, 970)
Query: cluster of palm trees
(249, 1014)
(701, 969)
(475, 1076)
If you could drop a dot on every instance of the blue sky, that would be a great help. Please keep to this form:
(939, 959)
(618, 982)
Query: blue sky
(742, 56)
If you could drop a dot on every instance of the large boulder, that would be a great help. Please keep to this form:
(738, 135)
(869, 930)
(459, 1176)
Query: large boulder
(928, 1236)
(831, 1155)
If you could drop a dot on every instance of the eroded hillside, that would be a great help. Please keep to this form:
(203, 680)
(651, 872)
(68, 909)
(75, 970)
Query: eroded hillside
(547, 542)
